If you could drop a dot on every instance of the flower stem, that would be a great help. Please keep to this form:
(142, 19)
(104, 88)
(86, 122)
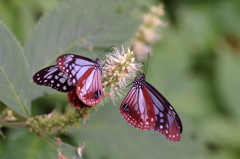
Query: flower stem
(13, 124)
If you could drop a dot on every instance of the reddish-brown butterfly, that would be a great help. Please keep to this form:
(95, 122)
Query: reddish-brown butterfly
(146, 108)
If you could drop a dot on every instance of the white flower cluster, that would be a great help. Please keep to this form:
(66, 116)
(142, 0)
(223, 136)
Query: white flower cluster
(146, 34)
(117, 68)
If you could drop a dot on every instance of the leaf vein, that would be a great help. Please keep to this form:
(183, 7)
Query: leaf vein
(14, 91)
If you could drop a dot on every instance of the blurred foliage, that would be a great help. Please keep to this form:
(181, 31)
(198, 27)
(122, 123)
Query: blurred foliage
(194, 66)
(21, 15)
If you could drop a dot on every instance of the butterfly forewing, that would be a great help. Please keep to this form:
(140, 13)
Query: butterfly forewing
(74, 66)
(89, 87)
(167, 120)
(74, 100)
(51, 76)
(137, 108)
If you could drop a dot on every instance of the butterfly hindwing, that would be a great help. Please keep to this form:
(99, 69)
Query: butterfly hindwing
(74, 100)
(51, 76)
(167, 120)
(89, 87)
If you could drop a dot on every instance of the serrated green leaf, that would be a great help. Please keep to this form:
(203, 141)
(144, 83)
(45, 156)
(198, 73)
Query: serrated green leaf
(74, 27)
(23, 144)
(14, 74)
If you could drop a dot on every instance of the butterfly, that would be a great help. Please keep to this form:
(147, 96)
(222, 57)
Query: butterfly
(145, 108)
(85, 75)
(77, 75)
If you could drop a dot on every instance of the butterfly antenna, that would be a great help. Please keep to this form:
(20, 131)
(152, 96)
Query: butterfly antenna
(106, 50)
(145, 69)
(128, 85)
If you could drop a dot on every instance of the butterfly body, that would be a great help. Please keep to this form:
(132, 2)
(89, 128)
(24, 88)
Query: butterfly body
(146, 108)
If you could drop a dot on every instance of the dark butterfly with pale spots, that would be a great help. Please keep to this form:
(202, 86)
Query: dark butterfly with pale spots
(85, 75)
(146, 108)
(79, 76)
(51, 76)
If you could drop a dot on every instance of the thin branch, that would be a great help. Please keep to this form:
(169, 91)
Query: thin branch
(13, 124)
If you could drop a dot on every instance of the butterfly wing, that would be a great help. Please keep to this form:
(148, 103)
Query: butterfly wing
(74, 66)
(137, 108)
(89, 87)
(167, 120)
(74, 100)
(51, 76)
(85, 74)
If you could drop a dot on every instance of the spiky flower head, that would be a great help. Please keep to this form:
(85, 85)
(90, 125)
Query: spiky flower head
(118, 66)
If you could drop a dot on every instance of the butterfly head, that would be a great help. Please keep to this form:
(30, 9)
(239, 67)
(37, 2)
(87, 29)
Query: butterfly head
(97, 65)
(139, 81)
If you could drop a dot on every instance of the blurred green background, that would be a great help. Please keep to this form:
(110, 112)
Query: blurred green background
(194, 66)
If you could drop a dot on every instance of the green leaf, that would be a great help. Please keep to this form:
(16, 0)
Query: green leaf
(76, 26)
(23, 144)
(14, 73)
(69, 151)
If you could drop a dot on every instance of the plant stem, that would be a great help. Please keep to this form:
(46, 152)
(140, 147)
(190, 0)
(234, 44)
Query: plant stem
(13, 124)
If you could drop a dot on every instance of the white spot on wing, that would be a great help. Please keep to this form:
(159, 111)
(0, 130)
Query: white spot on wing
(161, 114)
(49, 77)
(62, 80)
